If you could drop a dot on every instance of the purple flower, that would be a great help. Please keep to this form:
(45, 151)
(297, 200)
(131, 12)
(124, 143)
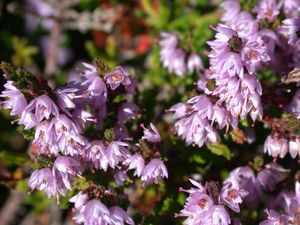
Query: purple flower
(79, 200)
(43, 107)
(120, 177)
(97, 154)
(64, 125)
(253, 55)
(117, 152)
(28, 119)
(267, 9)
(151, 135)
(201, 208)
(196, 204)
(121, 131)
(93, 212)
(72, 144)
(38, 109)
(291, 8)
(244, 178)
(232, 195)
(274, 218)
(45, 138)
(294, 209)
(290, 29)
(193, 125)
(222, 117)
(202, 105)
(271, 175)
(136, 162)
(297, 189)
(172, 57)
(181, 110)
(168, 40)
(216, 215)
(241, 96)
(43, 180)
(231, 10)
(199, 187)
(119, 216)
(94, 87)
(192, 129)
(82, 117)
(66, 168)
(212, 135)
(194, 63)
(294, 105)
(154, 171)
(245, 25)
(40, 13)
(276, 147)
(176, 62)
(117, 77)
(128, 111)
(294, 147)
(15, 99)
(65, 97)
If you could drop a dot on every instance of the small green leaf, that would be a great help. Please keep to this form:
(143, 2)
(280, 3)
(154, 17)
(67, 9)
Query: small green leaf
(292, 124)
(258, 163)
(221, 150)
(197, 158)
(28, 134)
(109, 134)
(102, 67)
(64, 200)
(166, 205)
(23, 52)
(10, 158)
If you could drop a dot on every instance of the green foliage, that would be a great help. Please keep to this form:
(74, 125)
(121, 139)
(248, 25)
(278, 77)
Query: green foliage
(248, 4)
(197, 157)
(157, 18)
(27, 134)
(37, 199)
(102, 67)
(258, 163)
(91, 49)
(220, 150)
(23, 52)
(10, 158)
(22, 79)
(109, 134)
(293, 123)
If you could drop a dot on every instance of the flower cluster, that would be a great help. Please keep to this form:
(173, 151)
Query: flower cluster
(266, 179)
(230, 87)
(61, 118)
(206, 204)
(279, 147)
(93, 211)
(288, 203)
(174, 58)
(196, 119)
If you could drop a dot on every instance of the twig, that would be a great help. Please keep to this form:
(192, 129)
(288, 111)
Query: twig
(11, 208)
(51, 61)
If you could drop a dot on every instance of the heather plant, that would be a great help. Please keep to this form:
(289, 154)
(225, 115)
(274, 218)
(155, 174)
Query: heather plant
(154, 112)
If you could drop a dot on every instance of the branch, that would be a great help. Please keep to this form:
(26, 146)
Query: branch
(51, 61)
